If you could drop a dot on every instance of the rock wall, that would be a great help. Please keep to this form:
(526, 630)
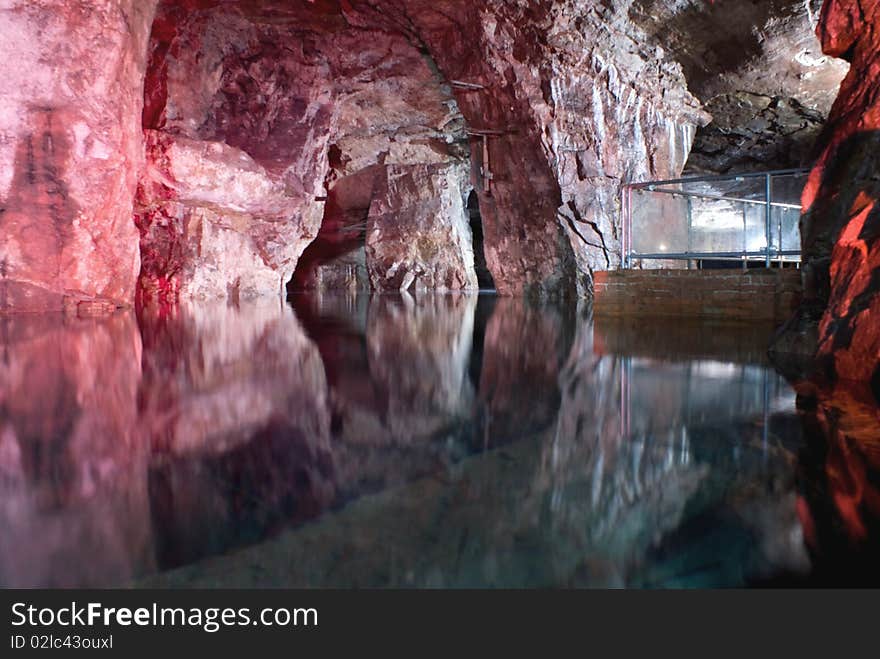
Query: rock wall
(71, 93)
(259, 114)
(238, 126)
(759, 71)
(418, 232)
(840, 225)
(553, 78)
(314, 102)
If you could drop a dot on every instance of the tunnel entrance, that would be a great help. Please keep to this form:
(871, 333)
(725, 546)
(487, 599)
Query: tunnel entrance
(484, 276)
(336, 260)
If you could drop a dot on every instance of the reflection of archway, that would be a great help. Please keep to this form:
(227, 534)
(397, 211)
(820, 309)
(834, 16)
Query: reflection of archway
(484, 276)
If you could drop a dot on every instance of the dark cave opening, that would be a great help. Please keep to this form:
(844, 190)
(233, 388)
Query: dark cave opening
(484, 275)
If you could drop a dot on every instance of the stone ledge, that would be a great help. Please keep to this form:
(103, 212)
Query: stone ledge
(765, 295)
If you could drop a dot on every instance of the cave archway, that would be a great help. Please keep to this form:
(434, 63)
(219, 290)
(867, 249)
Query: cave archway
(484, 275)
(336, 259)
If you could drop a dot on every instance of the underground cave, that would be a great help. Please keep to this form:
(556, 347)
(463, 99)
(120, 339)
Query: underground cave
(439, 294)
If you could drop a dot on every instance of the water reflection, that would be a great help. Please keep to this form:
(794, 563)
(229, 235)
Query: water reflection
(233, 404)
(73, 466)
(438, 441)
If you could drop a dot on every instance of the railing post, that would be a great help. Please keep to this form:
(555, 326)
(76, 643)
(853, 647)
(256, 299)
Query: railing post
(624, 208)
(768, 214)
(690, 223)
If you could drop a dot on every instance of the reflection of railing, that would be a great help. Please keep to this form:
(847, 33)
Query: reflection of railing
(747, 217)
(658, 398)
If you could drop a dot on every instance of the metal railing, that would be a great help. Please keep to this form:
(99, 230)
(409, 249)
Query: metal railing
(748, 217)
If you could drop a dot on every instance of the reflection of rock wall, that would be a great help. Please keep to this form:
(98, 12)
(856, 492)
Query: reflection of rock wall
(418, 354)
(234, 403)
(523, 350)
(840, 508)
(401, 395)
(73, 489)
(638, 485)
(214, 372)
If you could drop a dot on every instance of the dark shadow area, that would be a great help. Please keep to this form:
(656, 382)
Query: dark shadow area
(484, 275)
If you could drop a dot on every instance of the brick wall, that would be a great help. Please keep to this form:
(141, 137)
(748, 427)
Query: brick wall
(768, 295)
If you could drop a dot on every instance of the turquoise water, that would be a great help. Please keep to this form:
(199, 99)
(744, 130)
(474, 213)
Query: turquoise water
(440, 441)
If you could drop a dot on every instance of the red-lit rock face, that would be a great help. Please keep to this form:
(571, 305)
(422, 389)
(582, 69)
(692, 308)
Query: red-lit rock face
(841, 222)
(311, 102)
(70, 146)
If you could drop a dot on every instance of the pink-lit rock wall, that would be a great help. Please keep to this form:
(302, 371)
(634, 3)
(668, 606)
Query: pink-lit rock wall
(237, 127)
(257, 112)
(71, 93)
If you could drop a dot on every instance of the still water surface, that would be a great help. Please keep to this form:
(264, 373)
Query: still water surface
(445, 441)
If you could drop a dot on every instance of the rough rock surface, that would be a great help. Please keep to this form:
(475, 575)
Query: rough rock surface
(230, 202)
(372, 87)
(759, 71)
(418, 235)
(341, 104)
(71, 93)
(555, 76)
(755, 132)
(840, 227)
(213, 223)
(313, 107)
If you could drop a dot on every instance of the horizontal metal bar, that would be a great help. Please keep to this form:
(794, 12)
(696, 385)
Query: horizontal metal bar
(740, 200)
(461, 84)
(483, 132)
(720, 177)
(692, 256)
